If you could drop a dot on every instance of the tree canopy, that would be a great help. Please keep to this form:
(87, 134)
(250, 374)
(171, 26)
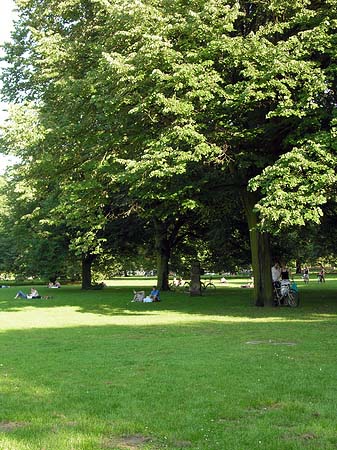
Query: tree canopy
(148, 108)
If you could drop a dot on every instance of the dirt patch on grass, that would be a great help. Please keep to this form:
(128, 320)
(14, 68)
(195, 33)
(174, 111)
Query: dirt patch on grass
(132, 442)
(301, 437)
(227, 420)
(266, 408)
(6, 425)
(308, 436)
(71, 424)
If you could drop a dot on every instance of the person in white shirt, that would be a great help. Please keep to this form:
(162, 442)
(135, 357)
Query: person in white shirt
(276, 272)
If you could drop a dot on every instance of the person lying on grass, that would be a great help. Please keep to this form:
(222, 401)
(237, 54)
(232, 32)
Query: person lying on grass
(33, 294)
(248, 285)
(138, 296)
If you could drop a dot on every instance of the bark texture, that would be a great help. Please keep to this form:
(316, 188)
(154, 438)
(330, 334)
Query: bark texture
(195, 286)
(260, 252)
(87, 260)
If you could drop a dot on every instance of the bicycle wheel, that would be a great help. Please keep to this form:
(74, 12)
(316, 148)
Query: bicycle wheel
(210, 286)
(172, 287)
(293, 298)
(202, 285)
(186, 286)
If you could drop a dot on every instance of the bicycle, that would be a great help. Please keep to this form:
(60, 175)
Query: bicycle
(173, 286)
(208, 285)
(203, 286)
(177, 285)
(286, 294)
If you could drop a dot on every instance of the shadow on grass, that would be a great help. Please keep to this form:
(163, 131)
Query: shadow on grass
(73, 388)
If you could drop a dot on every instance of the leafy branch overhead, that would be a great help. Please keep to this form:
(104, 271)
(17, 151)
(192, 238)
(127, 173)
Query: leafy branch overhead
(146, 108)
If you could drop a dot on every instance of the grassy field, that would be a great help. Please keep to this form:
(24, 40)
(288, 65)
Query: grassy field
(91, 370)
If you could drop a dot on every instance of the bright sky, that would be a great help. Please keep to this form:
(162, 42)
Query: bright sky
(6, 24)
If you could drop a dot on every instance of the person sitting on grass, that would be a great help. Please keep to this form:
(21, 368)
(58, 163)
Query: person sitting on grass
(33, 294)
(55, 285)
(155, 294)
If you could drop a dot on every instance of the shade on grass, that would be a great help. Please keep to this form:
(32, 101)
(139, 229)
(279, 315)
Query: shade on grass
(91, 370)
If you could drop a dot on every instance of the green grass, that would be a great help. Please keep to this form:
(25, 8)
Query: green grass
(91, 370)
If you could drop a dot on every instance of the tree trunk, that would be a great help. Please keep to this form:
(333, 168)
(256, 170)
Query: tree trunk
(163, 251)
(195, 287)
(53, 278)
(87, 260)
(260, 251)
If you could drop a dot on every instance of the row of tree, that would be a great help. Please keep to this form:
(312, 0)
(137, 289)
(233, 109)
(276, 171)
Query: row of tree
(165, 124)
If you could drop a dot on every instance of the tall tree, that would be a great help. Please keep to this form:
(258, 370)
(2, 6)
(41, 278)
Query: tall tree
(300, 187)
(54, 131)
(231, 81)
(148, 93)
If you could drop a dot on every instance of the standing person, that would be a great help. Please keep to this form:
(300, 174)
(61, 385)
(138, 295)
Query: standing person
(321, 275)
(276, 273)
(306, 274)
(285, 273)
(275, 276)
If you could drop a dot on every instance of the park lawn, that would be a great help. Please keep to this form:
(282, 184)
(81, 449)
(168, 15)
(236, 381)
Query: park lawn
(91, 370)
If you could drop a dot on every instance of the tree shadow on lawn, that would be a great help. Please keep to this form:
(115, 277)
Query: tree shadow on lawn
(315, 303)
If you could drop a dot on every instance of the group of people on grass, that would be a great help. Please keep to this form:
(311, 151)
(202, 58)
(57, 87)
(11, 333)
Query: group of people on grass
(34, 293)
(279, 273)
(139, 296)
(154, 296)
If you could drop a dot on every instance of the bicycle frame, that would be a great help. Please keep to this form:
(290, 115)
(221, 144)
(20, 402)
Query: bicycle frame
(285, 295)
